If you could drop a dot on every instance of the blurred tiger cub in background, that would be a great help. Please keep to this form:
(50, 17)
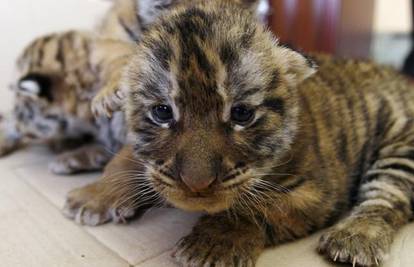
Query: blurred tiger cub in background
(58, 75)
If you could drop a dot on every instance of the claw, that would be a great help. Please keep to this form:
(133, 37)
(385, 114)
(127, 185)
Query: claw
(108, 111)
(354, 262)
(119, 94)
(78, 217)
(336, 256)
(121, 216)
(376, 261)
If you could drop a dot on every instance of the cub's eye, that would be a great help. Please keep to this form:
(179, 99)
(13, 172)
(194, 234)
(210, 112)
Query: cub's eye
(162, 113)
(241, 114)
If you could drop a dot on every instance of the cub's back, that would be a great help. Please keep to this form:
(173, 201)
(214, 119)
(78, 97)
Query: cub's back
(355, 107)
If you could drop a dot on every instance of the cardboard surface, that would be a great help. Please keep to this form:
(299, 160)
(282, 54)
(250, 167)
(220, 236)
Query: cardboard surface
(34, 233)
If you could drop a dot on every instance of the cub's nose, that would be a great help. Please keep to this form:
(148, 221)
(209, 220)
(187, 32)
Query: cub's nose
(196, 184)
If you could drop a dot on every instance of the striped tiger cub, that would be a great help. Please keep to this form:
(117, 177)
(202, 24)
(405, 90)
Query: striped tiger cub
(57, 77)
(271, 145)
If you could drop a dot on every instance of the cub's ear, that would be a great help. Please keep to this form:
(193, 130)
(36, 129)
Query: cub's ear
(35, 84)
(294, 66)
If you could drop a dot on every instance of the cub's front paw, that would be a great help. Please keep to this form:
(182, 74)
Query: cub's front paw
(211, 245)
(357, 241)
(108, 101)
(86, 206)
(195, 250)
(65, 165)
(89, 158)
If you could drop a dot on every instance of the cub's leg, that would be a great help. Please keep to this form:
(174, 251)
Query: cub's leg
(111, 96)
(109, 99)
(220, 241)
(67, 144)
(86, 158)
(364, 237)
(121, 193)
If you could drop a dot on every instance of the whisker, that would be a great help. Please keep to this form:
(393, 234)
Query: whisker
(116, 154)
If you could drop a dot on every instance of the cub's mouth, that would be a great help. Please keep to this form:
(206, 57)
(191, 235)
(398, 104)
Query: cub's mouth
(220, 196)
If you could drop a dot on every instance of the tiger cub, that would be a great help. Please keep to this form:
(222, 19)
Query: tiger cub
(225, 120)
(57, 77)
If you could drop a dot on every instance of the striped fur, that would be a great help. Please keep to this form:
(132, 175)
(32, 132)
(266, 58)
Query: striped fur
(333, 148)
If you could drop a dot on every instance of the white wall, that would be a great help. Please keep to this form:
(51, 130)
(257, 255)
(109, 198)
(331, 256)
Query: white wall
(23, 20)
(392, 16)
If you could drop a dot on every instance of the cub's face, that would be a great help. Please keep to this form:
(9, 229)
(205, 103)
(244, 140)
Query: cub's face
(212, 105)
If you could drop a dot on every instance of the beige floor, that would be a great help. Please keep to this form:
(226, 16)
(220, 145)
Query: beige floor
(34, 233)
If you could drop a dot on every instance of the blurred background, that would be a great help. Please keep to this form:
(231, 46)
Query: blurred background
(377, 29)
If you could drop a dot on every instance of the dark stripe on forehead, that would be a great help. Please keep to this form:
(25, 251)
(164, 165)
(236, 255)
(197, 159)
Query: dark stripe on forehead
(274, 81)
(199, 98)
(194, 22)
(275, 104)
(228, 54)
(194, 86)
(161, 50)
(191, 50)
(192, 25)
(202, 60)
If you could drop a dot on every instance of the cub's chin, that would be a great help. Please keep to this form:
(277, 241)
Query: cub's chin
(211, 202)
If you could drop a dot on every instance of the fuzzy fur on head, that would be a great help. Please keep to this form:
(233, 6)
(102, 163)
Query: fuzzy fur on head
(202, 61)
